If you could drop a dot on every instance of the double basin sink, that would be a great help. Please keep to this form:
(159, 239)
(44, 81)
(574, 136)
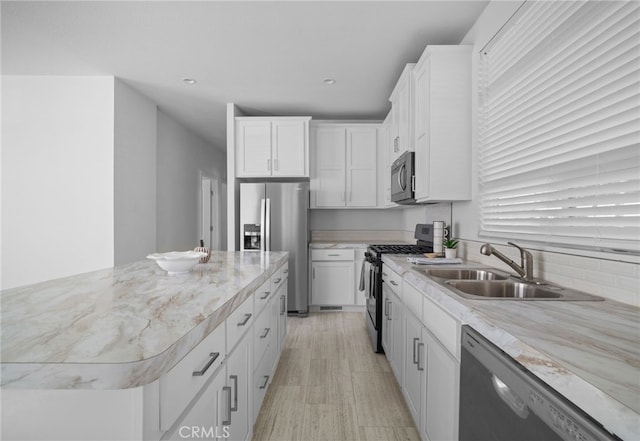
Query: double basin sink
(493, 284)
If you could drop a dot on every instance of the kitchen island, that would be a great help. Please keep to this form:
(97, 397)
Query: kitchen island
(588, 351)
(111, 335)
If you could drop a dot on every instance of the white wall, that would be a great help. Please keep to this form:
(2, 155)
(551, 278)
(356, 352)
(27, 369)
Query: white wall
(57, 177)
(608, 275)
(135, 175)
(181, 157)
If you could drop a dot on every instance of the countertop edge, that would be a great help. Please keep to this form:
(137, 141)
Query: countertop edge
(608, 411)
(125, 375)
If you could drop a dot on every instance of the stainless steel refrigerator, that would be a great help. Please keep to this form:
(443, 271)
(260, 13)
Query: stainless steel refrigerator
(274, 216)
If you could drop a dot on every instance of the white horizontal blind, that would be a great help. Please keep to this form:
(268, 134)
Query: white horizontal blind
(559, 126)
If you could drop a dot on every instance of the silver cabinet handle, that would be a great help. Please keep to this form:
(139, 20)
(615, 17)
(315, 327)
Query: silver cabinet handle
(227, 422)
(333, 255)
(415, 339)
(390, 310)
(266, 332)
(275, 164)
(214, 356)
(246, 319)
(413, 183)
(269, 164)
(277, 280)
(314, 274)
(285, 271)
(393, 282)
(385, 274)
(266, 294)
(386, 307)
(420, 345)
(266, 380)
(234, 378)
(282, 304)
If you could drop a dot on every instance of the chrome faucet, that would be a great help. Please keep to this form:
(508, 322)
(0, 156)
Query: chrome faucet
(524, 270)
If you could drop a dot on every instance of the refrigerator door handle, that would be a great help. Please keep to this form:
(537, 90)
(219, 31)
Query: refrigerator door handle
(262, 224)
(267, 227)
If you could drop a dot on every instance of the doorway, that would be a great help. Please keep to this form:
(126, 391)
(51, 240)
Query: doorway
(209, 211)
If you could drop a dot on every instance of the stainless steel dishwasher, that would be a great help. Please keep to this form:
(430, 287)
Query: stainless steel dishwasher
(500, 400)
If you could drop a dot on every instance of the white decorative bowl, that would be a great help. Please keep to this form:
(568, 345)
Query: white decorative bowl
(177, 262)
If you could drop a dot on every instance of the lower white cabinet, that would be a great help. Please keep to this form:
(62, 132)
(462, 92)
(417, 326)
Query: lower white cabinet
(414, 366)
(236, 411)
(440, 416)
(332, 277)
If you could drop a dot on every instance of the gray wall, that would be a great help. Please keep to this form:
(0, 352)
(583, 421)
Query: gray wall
(181, 158)
(135, 175)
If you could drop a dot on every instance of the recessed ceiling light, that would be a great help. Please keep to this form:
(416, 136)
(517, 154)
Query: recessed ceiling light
(329, 81)
(189, 81)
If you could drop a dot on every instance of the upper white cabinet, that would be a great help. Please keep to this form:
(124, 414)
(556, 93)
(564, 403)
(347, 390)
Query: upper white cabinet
(441, 87)
(344, 171)
(402, 110)
(277, 147)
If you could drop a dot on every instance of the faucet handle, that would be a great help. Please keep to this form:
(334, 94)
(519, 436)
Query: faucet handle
(526, 261)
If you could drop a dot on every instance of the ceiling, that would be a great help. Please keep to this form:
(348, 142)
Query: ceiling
(268, 57)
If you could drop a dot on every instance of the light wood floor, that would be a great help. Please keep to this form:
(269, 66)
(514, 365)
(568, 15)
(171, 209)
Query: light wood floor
(331, 386)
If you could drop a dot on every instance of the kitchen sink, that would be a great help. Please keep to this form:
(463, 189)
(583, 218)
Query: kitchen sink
(512, 289)
(466, 274)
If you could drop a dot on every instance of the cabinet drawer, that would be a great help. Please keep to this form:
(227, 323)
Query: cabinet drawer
(393, 279)
(285, 271)
(261, 380)
(331, 254)
(263, 330)
(412, 299)
(185, 379)
(444, 327)
(238, 322)
(277, 280)
(262, 296)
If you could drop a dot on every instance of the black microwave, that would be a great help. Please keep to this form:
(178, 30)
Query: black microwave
(403, 179)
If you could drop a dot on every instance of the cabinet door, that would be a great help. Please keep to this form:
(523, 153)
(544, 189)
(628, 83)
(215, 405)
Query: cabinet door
(440, 416)
(413, 366)
(330, 171)
(253, 148)
(397, 338)
(386, 324)
(202, 420)
(236, 408)
(332, 282)
(404, 115)
(361, 167)
(289, 148)
(421, 118)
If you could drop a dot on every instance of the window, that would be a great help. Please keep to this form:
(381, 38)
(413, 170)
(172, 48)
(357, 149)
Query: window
(559, 126)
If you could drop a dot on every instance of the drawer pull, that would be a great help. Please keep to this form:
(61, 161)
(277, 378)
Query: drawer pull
(214, 356)
(393, 282)
(333, 255)
(266, 380)
(266, 294)
(285, 271)
(266, 332)
(277, 280)
(246, 319)
(390, 310)
(227, 422)
(234, 378)
(415, 339)
(283, 307)
(385, 274)
(386, 307)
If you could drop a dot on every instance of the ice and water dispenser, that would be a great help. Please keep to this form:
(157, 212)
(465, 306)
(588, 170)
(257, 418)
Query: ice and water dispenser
(252, 237)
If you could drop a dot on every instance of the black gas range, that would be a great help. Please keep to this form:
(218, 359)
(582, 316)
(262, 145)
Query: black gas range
(373, 277)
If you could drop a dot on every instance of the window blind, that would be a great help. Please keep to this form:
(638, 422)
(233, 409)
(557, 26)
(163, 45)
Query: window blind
(559, 126)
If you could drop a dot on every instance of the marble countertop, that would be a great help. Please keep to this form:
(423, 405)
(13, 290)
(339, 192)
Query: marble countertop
(353, 245)
(121, 327)
(587, 351)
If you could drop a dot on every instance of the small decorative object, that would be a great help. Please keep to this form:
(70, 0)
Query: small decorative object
(203, 249)
(430, 255)
(177, 262)
(450, 248)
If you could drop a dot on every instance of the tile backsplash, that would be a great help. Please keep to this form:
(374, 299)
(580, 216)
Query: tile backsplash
(611, 279)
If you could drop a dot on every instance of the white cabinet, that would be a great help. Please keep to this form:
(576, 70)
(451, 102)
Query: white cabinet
(393, 321)
(272, 147)
(385, 159)
(402, 110)
(344, 171)
(236, 411)
(414, 366)
(333, 281)
(441, 88)
(440, 416)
